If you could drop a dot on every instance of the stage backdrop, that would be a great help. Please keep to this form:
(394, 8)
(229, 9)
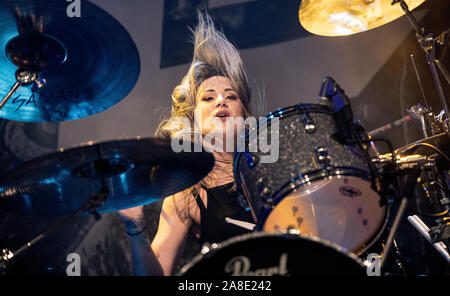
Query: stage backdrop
(286, 65)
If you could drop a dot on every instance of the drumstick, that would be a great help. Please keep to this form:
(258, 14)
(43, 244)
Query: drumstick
(243, 224)
(389, 126)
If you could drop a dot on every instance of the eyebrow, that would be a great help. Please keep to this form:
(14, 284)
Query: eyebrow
(213, 90)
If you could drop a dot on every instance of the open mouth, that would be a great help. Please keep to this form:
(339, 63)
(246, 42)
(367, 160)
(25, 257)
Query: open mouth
(222, 114)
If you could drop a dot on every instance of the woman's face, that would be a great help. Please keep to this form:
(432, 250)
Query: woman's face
(217, 100)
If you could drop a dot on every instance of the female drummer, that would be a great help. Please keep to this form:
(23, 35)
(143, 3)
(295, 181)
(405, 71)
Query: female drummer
(216, 87)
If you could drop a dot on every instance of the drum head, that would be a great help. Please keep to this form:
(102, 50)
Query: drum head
(342, 210)
(266, 254)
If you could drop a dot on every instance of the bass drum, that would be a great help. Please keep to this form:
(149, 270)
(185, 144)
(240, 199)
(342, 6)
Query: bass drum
(270, 254)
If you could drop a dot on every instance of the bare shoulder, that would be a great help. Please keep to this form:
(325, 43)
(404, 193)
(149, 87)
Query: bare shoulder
(175, 206)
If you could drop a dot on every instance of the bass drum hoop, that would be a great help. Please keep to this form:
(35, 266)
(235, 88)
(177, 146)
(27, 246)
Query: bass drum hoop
(209, 251)
(308, 179)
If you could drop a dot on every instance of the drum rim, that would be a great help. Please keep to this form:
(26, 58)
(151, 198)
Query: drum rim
(287, 112)
(317, 108)
(325, 173)
(287, 189)
(215, 247)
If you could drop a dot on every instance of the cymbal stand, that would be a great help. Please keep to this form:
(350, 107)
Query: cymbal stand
(24, 78)
(407, 194)
(429, 44)
(96, 200)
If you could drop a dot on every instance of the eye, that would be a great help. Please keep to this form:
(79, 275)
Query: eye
(207, 99)
(232, 97)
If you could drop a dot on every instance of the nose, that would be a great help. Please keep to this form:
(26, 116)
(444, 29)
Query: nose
(220, 101)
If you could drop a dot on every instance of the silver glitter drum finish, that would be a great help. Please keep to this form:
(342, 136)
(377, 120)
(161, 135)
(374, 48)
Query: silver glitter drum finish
(317, 186)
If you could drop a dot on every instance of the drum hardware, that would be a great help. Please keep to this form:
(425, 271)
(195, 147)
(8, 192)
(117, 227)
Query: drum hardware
(406, 193)
(251, 159)
(398, 263)
(95, 200)
(24, 78)
(441, 232)
(435, 192)
(403, 161)
(307, 121)
(419, 112)
(433, 187)
(32, 53)
(322, 156)
(419, 82)
(247, 196)
(423, 229)
(411, 165)
(431, 46)
(438, 124)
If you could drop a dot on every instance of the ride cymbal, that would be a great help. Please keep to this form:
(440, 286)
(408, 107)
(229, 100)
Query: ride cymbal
(346, 17)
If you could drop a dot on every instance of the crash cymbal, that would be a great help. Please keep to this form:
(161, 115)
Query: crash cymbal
(89, 63)
(136, 172)
(346, 17)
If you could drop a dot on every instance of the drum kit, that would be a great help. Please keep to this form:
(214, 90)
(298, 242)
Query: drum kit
(318, 210)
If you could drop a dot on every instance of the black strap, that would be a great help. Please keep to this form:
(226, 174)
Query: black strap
(203, 214)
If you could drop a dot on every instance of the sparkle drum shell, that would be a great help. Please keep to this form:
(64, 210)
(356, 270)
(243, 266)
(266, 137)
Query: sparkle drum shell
(317, 185)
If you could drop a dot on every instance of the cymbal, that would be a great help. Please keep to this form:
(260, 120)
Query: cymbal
(136, 171)
(440, 141)
(346, 17)
(89, 63)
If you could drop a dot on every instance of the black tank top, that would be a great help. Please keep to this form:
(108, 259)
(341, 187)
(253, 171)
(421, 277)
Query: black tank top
(222, 202)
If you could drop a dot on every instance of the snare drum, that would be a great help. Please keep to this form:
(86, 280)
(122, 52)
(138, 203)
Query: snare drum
(318, 185)
(269, 254)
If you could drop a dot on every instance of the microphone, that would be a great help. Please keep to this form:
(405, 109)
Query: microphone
(342, 113)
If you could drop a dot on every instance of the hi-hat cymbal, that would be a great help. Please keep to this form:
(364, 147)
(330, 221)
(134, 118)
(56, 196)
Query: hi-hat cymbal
(346, 17)
(440, 141)
(90, 63)
(136, 172)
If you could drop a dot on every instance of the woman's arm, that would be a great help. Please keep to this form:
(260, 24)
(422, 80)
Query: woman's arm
(162, 255)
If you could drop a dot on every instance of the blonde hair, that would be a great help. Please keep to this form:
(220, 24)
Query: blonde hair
(213, 55)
